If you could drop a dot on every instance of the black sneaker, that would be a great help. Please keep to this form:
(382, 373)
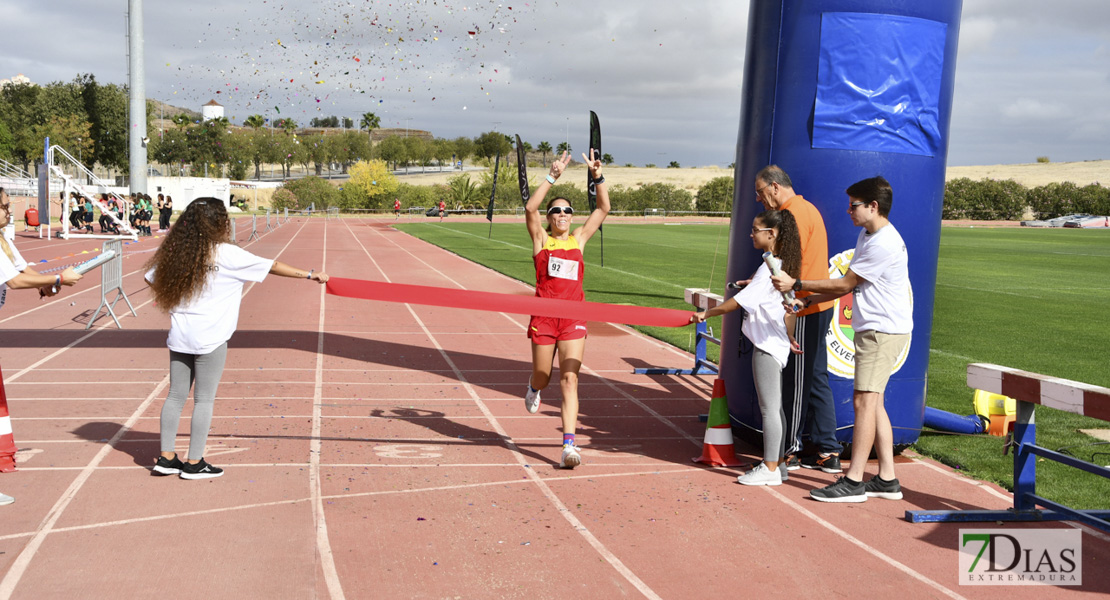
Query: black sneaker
(829, 463)
(844, 490)
(166, 466)
(201, 470)
(881, 488)
(792, 463)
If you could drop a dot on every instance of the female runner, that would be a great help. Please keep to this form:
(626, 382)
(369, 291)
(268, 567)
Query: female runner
(557, 254)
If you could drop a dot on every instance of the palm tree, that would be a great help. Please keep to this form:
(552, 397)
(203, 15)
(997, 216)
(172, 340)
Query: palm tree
(255, 122)
(545, 148)
(563, 147)
(607, 158)
(371, 122)
(289, 125)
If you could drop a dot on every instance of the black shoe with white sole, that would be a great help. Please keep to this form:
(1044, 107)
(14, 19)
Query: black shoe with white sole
(200, 470)
(166, 466)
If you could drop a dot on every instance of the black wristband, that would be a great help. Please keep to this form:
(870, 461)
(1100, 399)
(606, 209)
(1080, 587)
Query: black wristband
(599, 180)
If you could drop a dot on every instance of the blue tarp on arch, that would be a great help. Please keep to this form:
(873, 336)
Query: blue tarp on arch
(878, 84)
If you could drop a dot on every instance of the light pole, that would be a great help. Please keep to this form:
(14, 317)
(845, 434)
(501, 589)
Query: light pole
(568, 133)
(79, 151)
(407, 119)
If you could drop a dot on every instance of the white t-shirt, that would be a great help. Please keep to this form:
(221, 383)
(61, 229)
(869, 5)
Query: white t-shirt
(210, 318)
(763, 318)
(884, 301)
(9, 270)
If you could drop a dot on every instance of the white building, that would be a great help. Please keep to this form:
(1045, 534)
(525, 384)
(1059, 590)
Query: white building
(17, 80)
(212, 110)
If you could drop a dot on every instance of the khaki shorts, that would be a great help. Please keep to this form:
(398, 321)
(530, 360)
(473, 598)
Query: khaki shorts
(876, 354)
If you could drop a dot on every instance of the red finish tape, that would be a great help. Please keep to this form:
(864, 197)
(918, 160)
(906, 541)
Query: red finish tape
(509, 303)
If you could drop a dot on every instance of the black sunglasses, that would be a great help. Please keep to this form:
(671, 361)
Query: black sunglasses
(566, 210)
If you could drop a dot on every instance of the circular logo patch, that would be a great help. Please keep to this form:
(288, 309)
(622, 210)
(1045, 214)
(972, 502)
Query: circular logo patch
(839, 338)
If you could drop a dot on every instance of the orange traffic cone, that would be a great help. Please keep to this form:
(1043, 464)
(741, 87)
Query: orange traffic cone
(717, 451)
(7, 442)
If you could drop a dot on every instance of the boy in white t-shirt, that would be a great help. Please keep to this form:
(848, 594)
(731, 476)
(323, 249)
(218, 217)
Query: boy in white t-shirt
(17, 275)
(878, 276)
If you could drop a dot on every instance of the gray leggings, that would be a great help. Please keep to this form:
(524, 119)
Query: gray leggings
(768, 386)
(206, 370)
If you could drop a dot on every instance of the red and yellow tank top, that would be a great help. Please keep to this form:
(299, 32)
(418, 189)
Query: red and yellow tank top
(559, 269)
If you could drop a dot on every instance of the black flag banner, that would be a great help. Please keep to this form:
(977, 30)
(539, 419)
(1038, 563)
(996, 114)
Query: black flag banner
(522, 171)
(591, 185)
(595, 151)
(493, 194)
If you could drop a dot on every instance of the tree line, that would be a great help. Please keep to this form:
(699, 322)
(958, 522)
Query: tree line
(87, 118)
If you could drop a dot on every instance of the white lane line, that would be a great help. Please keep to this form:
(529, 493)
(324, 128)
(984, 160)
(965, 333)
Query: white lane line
(211, 511)
(46, 527)
(840, 532)
(21, 563)
(862, 545)
(546, 490)
(323, 544)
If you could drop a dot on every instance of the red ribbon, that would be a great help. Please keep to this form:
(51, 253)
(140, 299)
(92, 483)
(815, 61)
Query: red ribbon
(508, 303)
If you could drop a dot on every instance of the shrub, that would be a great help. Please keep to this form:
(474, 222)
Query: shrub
(282, 199)
(1042, 159)
(987, 199)
(716, 195)
(314, 190)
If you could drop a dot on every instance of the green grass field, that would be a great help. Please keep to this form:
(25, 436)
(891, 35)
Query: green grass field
(1034, 299)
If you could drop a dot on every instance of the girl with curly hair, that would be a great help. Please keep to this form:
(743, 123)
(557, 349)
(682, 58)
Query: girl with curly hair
(197, 276)
(769, 327)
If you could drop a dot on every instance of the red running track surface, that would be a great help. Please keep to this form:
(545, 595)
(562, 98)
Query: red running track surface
(382, 450)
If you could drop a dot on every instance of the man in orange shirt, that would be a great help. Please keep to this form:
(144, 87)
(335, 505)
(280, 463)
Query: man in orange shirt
(806, 394)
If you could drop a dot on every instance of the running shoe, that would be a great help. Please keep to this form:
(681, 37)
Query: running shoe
(881, 488)
(166, 466)
(844, 490)
(531, 398)
(200, 470)
(829, 463)
(6, 499)
(571, 458)
(761, 475)
(792, 463)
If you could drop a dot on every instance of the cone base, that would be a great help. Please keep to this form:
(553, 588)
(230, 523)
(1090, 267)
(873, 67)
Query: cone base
(718, 459)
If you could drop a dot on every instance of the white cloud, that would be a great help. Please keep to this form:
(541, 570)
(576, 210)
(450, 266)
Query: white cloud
(1029, 108)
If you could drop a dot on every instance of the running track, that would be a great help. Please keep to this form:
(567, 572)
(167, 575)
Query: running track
(380, 450)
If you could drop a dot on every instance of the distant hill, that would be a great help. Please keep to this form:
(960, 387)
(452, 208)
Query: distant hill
(163, 110)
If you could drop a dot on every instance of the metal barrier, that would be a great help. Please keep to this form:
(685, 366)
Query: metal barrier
(111, 279)
(703, 300)
(269, 227)
(1031, 389)
(254, 229)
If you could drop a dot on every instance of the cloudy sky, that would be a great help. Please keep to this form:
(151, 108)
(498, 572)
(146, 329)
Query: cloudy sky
(1032, 77)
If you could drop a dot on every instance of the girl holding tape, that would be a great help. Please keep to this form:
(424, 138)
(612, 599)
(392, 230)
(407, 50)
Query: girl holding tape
(197, 276)
(557, 254)
(770, 329)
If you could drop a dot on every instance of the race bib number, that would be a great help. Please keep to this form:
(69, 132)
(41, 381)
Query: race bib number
(562, 268)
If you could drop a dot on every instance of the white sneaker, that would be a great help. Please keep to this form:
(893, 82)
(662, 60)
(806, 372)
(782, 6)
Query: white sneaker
(531, 398)
(5, 499)
(760, 475)
(571, 458)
